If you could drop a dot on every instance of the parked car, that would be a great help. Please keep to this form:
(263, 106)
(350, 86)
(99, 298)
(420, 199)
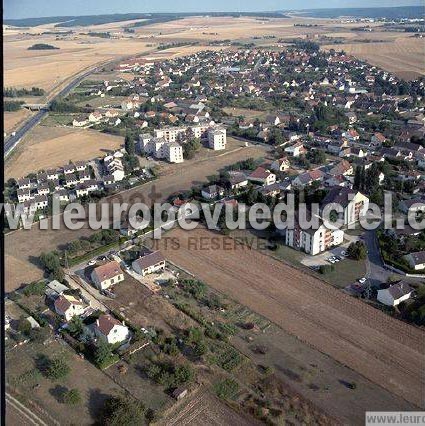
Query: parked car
(91, 263)
(362, 280)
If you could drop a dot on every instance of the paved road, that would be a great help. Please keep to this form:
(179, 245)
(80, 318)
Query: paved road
(13, 141)
(376, 271)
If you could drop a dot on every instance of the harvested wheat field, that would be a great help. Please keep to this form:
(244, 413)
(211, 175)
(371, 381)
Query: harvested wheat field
(47, 147)
(49, 68)
(403, 56)
(386, 351)
(12, 120)
(203, 408)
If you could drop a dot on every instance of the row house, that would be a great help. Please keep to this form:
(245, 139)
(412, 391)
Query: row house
(114, 167)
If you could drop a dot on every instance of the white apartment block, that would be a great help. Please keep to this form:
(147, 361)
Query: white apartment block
(314, 241)
(174, 152)
(171, 134)
(217, 139)
(114, 167)
(160, 148)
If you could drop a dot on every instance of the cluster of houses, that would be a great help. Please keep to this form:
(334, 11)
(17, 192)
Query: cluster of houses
(110, 117)
(105, 327)
(104, 277)
(167, 142)
(72, 181)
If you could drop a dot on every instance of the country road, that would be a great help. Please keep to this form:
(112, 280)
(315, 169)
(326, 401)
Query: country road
(13, 141)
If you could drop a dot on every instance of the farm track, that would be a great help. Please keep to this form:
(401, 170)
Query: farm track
(382, 349)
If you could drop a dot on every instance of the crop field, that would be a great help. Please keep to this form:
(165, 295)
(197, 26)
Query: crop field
(49, 68)
(385, 351)
(203, 408)
(47, 147)
(403, 56)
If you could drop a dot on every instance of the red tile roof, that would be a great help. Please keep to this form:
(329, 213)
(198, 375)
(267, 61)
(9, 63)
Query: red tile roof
(108, 271)
(260, 173)
(105, 323)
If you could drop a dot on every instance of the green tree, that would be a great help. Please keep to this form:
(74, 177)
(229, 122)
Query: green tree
(75, 326)
(103, 352)
(24, 326)
(191, 147)
(129, 144)
(358, 178)
(123, 411)
(357, 250)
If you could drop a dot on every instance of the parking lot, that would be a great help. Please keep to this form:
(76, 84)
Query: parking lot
(322, 258)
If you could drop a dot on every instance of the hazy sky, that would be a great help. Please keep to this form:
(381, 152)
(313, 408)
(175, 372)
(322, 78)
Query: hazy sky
(38, 8)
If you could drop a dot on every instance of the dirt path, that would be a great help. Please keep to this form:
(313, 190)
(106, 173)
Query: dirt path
(386, 351)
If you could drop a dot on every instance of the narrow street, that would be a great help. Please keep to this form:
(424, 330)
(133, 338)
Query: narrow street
(376, 271)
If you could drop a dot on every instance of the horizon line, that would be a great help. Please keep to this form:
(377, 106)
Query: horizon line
(217, 11)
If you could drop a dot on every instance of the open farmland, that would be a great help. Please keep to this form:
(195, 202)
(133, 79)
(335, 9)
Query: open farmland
(47, 147)
(385, 351)
(403, 56)
(49, 68)
(21, 266)
(203, 408)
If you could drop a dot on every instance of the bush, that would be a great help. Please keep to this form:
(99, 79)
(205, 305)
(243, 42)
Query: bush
(226, 389)
(57, 369)
(72, 397)
(169, 374)
(24, 326)
(196, 288)
(123, 411)
(357, 250)
(35, 288)
(39, 335)
(326, 269)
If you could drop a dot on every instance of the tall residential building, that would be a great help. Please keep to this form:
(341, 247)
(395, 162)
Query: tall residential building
(217, 139)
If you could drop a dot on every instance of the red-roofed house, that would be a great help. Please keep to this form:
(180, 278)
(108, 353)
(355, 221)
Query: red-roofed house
(106, 275)
(262, 175)
(68, 306)
(110, 329)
